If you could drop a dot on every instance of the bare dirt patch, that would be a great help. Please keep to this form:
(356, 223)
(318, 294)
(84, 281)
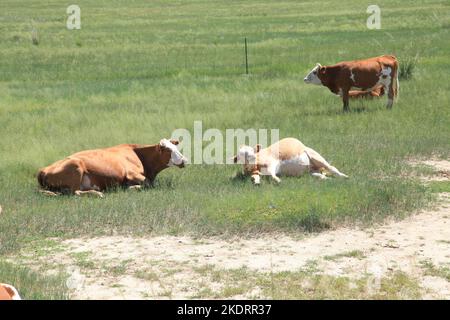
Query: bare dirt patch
(440, 168)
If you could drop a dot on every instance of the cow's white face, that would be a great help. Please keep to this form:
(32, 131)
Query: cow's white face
(246, 154)
(247, 157)
(176, 158)
(313, 76)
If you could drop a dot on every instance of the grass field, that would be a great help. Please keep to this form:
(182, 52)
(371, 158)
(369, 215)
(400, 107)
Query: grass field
(139, 69)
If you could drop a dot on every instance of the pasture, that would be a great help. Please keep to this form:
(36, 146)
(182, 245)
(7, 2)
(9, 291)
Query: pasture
(137, 70)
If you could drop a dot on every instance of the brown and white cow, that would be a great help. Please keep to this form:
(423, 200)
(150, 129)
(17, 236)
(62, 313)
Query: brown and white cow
(8, 292)
(367, 75)
(93, 171)
(287, 157)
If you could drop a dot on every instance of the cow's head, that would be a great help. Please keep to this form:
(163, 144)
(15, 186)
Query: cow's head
(313, 75)
(247, 156)
(170, 154)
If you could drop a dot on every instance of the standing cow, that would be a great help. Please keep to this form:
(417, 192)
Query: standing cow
(367, 75)
(93, 171)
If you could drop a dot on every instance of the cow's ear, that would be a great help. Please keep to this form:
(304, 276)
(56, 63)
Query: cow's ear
(174, 141)
(257, 147)
(322, 70)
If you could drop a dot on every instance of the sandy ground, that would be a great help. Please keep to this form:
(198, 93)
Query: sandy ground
(164, 267)
(441, 169)
(395, 246)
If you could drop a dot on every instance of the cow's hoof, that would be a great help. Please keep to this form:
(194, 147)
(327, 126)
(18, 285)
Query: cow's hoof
(97, 194)
(94, 193)
(276, 179)
(136, 187)
(49, 193)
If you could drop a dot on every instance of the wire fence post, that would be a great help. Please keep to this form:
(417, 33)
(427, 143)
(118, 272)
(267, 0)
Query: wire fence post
(246, 56)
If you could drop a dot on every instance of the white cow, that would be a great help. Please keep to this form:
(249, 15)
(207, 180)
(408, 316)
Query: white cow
(287, 157)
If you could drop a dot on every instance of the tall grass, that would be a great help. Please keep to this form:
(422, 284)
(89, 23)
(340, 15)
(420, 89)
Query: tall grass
(407, 67)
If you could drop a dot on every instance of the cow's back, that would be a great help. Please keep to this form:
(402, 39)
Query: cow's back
(365, 74)
(286, 148)
(388, 59)
(103, 168)
(117, 159)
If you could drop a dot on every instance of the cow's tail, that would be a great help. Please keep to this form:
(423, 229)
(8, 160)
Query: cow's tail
(396, 83)
(397, 86)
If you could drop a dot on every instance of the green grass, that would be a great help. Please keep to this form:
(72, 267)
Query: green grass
(83, 260)
(350, 254)
(407, 67)
(440, 186)
(34, 286)
(138, 70)
(148, 275)
(435, 271)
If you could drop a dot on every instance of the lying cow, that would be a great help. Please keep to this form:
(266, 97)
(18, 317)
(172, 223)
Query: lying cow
(8, 292)
(364, 75)
(93, 171)
(286, 157)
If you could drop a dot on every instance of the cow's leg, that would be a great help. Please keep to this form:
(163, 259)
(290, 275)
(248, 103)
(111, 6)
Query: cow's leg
(345, 96)
(391, 95)
(135, 187)
(319, 175)
(135, 180)
(272, 170)
(319, 162)
(88, 187)
(392, 88)
(388, 80)
(89, 193)
(274, 177)
(50, 193)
